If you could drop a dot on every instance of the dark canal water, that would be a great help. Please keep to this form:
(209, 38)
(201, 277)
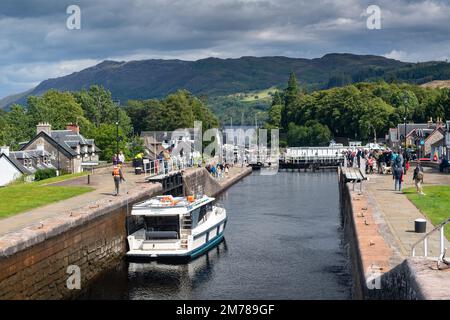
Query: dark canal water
(283, 241)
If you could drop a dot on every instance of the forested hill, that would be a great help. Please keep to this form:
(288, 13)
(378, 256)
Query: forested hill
(215, 77)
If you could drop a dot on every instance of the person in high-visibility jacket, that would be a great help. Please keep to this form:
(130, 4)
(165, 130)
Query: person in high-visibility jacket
(118, 177)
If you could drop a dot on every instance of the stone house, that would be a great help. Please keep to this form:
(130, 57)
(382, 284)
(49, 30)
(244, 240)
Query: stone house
(435, 143)
(66, 150)
(414, 133)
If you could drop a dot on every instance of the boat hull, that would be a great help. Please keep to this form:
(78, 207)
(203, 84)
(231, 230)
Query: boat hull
(191, 253)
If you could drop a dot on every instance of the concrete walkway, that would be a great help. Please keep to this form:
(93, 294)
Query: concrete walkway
(399, 213)
(103, 185)
(103, 188)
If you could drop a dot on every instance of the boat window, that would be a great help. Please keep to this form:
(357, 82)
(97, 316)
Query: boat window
(161, 227)
(198, 214)
(167, 223)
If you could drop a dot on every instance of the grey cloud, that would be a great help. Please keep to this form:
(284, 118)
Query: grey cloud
(33, 33)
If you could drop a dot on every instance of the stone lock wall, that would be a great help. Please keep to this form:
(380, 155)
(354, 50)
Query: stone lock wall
(398, 282)
(34, 261)
(41, 271)
(200, 181)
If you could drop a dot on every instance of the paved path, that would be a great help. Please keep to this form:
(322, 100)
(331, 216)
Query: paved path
(399, 213)
(103, 187)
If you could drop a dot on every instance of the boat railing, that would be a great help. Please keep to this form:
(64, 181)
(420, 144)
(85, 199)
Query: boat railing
(424, 240)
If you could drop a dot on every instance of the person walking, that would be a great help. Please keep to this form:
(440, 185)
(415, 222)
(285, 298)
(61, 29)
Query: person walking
(118, 177)
(418, 178)
(398, 174)
(359, 155)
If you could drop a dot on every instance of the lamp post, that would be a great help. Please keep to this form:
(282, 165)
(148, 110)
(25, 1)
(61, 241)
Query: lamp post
(59, 165)
(405, 101)
(117, 102)
(371, 126)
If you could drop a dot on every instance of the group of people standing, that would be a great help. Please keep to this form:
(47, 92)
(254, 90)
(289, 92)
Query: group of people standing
(400, 164)
(218, 170)
(393, 162)
(118, 159)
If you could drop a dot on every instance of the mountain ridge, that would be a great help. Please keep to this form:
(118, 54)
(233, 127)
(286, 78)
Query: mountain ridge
(155, 78)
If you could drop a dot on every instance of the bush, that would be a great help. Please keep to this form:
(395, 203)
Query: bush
(44, 174)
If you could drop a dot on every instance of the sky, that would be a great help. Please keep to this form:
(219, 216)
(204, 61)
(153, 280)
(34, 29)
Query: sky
(36, 44)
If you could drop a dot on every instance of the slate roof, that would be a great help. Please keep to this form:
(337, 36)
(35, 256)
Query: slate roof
(17, 164)
(161, 136)
(412, 126)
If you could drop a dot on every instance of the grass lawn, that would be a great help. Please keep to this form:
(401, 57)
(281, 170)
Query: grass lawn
(435, 205)
(21, 197)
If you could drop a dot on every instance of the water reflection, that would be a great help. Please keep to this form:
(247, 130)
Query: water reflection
(158, 280)
(283, 241)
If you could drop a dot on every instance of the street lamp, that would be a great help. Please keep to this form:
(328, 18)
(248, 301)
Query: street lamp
(371, 126)
(117, 103)
(405, 101)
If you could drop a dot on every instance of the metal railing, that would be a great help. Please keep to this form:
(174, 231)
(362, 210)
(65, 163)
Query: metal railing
(160, 167)
(424, 239)
(312, 159)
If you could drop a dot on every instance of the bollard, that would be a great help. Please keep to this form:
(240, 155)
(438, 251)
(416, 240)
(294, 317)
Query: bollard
(89, 179)
(420, 225)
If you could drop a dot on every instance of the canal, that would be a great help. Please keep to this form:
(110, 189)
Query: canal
(283, 241)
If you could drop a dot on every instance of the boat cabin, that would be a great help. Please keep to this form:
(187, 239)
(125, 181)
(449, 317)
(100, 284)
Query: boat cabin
(168, 217)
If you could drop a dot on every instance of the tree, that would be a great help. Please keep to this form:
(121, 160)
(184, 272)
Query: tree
(137, 112)
(99, 108)
(57, 108)
(17, 127)
(375, 118)
(275, 116)
(291, 94)
(105, 139)
(136, 145)
(312, 133)
(278, 99)
(339, 80)
(178, 110)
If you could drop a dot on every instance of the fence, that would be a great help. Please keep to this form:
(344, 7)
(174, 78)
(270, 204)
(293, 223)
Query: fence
(161, 167)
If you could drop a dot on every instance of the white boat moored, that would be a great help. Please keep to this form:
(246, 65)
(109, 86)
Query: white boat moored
(177, 227)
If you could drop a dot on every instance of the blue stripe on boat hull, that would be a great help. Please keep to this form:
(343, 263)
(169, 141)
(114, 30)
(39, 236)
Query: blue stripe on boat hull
(208, 245)
(189, 255)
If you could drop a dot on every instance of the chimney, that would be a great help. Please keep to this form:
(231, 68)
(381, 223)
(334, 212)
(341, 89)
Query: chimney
(430, 123)
(44, 127)
(4, 150)
(73, 127)
(439, 123)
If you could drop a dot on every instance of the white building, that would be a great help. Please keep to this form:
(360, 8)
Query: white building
(10, 168)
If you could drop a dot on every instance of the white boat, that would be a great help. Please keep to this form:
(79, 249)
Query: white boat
(177, 227)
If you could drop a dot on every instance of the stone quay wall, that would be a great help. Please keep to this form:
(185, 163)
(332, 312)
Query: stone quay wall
(199, 180)
(379, 273)
(36, 262)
